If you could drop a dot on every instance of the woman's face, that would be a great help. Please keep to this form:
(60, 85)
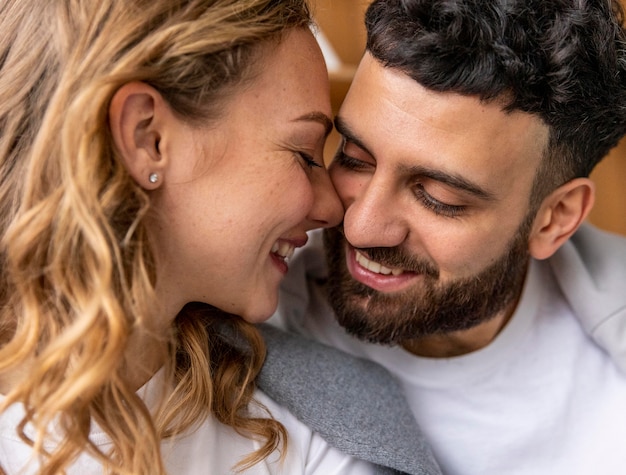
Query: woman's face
(236, 197)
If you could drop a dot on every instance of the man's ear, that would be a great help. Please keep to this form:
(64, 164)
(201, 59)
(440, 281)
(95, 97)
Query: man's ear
(136, 119)
(560, 215)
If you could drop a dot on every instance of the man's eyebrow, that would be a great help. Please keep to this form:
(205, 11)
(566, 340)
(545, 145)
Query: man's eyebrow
(455, 181)
(319, 117)
(449, 179)
(345, 130)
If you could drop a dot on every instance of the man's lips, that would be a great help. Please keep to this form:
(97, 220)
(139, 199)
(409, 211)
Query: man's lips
(375, 275)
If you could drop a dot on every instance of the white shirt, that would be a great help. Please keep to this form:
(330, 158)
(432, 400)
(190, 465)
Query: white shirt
(542, 398)
(212, 449)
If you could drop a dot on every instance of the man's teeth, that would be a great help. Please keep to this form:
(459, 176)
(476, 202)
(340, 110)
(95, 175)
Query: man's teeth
(283, 249)
(375, 266)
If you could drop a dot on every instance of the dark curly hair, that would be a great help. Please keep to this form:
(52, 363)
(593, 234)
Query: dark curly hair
(562, 60)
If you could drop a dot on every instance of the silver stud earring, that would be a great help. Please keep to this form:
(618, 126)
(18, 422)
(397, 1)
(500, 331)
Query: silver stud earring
(153, 178)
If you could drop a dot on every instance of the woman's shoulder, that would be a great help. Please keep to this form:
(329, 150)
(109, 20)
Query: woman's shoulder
(218, 447)
(213, 446)
(307, 451)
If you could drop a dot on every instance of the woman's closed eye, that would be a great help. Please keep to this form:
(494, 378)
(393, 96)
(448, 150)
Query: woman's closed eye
(307, 160)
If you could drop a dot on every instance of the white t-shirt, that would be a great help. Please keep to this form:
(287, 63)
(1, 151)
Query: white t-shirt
(212, 449)
(542, 398)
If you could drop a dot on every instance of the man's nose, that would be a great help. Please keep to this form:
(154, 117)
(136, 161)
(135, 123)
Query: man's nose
(375, 218)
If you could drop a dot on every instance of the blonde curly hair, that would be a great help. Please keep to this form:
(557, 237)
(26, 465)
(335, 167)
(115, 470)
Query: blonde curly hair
(77, 274)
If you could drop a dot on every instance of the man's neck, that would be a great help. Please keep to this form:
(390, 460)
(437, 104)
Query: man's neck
(460, 342)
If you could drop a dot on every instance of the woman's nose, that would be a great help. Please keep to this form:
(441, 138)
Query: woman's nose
(327, 210)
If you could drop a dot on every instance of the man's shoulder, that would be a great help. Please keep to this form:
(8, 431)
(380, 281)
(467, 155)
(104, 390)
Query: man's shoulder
(600, 249)
(592, 262)
(591, 272)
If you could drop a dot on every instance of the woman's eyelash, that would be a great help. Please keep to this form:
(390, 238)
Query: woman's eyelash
(308, 160)
(436, 206)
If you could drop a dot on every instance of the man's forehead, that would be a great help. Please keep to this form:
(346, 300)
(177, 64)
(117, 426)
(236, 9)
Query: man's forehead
(401, 123)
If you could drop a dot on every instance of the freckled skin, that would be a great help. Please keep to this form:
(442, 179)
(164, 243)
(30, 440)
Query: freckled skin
(235, 188)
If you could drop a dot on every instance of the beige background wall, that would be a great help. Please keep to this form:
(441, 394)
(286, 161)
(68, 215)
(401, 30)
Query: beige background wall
(342, 23)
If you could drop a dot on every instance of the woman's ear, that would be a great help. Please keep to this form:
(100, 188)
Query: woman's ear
(136, 120)
(560, 215)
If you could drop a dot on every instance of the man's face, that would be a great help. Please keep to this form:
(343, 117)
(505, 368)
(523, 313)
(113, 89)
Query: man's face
(436, 188)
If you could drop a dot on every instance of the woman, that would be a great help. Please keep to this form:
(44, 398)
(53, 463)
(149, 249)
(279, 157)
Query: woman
(154, 153)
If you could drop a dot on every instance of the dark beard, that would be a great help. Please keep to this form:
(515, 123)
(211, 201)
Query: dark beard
(435, 308)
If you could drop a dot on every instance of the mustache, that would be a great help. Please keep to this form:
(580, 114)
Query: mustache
(389, 256)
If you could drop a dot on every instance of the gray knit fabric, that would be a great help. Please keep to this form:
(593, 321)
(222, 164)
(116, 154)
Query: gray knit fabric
(354, 404)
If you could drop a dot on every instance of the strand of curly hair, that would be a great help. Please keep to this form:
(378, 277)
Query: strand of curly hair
(76, 271)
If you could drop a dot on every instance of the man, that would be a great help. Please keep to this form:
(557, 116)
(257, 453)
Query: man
(462, 265)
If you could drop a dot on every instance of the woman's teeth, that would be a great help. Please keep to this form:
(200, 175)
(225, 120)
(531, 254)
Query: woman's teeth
(283, 249)
(375, 266)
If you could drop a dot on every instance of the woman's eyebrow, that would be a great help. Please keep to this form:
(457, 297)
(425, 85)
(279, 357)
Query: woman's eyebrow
(318, 117)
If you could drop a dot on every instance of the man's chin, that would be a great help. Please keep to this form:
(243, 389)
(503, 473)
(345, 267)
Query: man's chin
(428, 309)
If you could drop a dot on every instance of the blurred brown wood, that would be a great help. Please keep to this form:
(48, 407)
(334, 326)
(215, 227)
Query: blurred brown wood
(342, 23)
(609, 176)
